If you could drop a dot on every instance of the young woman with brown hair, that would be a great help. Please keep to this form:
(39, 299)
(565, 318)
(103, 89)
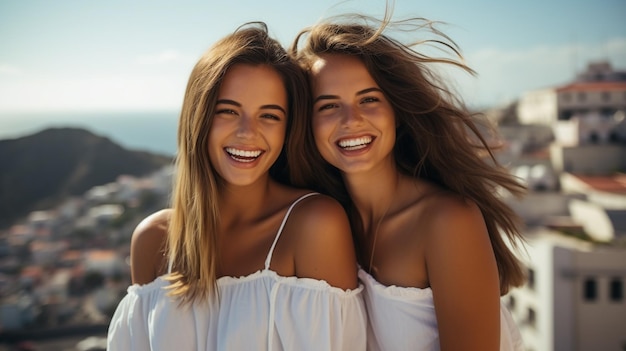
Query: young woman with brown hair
(404, 156)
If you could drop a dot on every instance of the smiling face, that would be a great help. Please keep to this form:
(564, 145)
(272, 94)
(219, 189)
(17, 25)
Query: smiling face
(248, 129)
(353, 122)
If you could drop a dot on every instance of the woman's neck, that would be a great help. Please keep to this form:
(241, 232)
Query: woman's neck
(243, 203)
(373, 192)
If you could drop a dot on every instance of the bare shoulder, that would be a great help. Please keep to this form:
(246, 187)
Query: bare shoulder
(147, 247)
(462, 273)
(319, 211)
(321, 218)
(446, 214)
(152, 229)
(324, 248)
(454, 227)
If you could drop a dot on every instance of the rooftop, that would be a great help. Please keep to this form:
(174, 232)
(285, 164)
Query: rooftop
(610, 184)
(592, 86)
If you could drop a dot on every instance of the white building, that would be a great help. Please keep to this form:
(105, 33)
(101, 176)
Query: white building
(574, 298)
(106, 262)
(537, 176)
(602, 210)
(587, 118)
(588, 159)
(599, 91)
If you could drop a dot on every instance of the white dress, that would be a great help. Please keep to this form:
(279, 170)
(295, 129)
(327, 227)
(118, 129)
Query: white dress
(260, 311)
(404, 319)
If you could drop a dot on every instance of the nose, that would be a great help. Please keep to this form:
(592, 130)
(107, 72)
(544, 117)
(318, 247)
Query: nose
(352, 116)
(246, 128)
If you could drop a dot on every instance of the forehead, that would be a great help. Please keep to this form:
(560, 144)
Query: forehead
(326, 62)
(247, 80)
(333, 69)
(241, 71)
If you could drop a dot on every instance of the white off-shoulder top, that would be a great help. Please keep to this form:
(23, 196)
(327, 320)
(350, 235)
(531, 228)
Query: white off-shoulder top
(404, 319)
(260, 311)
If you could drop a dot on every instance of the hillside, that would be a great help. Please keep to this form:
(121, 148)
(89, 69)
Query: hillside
(39, 170)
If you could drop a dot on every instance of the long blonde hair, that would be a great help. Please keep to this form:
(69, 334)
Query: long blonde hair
(191, 244)
(436, 137)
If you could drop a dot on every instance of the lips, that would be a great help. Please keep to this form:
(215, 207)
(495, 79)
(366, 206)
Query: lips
(245, 156)
(351, 144)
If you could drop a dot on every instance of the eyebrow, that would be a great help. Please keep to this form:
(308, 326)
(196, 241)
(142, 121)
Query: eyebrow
(360, 92)
(263, 107)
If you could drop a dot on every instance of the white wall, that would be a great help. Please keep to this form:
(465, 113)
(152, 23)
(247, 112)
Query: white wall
(588, 159)
(535, 207)
(593, 218)
(537, 106)
(601, 323)
(564, 319)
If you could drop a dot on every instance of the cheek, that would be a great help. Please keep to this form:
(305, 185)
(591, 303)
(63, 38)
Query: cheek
(384, 118)
(276, 136)
(322, 133)
(215, 136)
(321, 127)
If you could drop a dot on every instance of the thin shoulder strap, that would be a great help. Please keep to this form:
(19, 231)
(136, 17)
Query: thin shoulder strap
(280, 229)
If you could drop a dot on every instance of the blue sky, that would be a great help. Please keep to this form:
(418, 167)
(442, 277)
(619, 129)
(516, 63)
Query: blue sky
(78, 55)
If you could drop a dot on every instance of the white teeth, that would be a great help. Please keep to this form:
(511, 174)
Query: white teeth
(243, 155)
(356, 143)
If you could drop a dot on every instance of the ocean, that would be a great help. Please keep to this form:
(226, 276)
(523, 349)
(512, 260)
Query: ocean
(146, 131)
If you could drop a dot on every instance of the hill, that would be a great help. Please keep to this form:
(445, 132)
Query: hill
(40, 170)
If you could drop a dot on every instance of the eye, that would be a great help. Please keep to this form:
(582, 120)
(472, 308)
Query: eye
(270, 116)
(327, 107)
(369, 99)
(225, 111)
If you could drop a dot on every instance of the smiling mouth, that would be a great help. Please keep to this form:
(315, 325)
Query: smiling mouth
(245, 156)
(355, 143)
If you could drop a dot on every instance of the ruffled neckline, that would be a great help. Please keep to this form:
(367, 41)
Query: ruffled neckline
(393, 291)
(308, 283)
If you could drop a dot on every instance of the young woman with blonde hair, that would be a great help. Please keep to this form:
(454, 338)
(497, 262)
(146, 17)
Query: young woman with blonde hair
(243, 261)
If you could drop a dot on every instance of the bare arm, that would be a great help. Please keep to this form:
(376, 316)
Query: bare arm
(147, 260)
(324, 249)
(463, 275)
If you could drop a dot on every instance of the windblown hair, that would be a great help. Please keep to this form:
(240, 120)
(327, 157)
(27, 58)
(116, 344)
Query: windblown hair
(437, 138)
(192, 236)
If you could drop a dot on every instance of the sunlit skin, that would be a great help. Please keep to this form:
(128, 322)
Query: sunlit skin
(245, 139)
(353, 121)
(414, 233)
(248, 129)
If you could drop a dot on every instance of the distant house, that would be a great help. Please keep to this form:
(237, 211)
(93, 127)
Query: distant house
(102, 193)
(31, 276)
(70, 208)
(588, 117)
(537, 176)
(105, 262)
(603, 209)
(592, 94)
(99, 216)
(38, 220)
(17, 312)
(44, 252)
(574, 298)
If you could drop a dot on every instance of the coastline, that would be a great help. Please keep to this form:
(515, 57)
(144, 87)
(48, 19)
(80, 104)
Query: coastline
(146, 131)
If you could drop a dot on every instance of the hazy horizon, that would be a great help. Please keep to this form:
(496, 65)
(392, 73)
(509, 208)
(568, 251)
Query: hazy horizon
(73, 55)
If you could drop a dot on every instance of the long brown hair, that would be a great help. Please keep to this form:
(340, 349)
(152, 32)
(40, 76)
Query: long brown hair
(437, 138)
(191, 243)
